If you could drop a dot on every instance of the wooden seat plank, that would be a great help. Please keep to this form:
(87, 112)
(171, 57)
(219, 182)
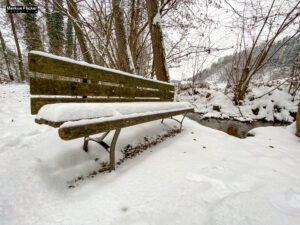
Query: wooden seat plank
(42, 86)
(69, 133)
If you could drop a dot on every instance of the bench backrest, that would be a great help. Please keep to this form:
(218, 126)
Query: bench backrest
(64, 78)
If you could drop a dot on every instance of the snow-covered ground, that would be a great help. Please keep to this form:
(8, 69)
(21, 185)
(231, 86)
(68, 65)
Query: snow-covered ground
(276, 105)
(200, 176)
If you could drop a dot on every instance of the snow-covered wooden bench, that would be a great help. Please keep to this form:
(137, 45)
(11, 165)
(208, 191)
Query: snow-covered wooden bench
(84, 99)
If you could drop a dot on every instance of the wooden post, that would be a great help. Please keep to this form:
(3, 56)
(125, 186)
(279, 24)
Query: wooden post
(298, 121)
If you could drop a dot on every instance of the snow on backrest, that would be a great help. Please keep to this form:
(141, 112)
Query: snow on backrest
(68, 80)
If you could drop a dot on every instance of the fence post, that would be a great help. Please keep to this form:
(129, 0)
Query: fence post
(298, 121)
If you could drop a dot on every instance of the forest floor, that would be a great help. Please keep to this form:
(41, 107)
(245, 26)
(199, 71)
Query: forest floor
(198, 176)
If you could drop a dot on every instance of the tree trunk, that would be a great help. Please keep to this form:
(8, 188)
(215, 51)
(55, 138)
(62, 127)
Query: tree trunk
(11, 77)
(75, 48)
(126, 62)
(69, 39)
(133, 34)
(32, 34)
(159, 59)
(79, 34)
(56, 29)
(241, 91)
(21, 68)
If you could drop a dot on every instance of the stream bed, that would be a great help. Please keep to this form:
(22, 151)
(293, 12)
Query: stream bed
(232, 127)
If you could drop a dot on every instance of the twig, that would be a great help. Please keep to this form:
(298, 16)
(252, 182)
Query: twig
(273, 88)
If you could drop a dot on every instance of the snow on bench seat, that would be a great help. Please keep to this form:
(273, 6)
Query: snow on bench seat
(112, 118)
(64, 112)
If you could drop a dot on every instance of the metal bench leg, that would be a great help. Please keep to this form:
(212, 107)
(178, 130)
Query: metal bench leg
(180, 122)
(112, 149)
(98, 140)
(86, 144)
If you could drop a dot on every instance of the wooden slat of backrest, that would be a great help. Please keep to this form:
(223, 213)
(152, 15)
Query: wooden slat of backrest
(63, 67)
(37, 103)
(41, 86)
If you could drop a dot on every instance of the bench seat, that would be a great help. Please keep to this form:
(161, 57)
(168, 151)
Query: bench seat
(81, 119)
(63, 112)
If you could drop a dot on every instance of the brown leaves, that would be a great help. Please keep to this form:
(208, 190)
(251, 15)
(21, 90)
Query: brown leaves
(129, 152)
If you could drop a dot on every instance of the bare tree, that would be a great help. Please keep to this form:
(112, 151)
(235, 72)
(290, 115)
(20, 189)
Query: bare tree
(98, 31)
(260, 25)
(11, 77)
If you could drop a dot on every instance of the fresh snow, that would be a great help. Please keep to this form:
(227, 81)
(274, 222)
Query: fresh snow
(128, 52)
(200, 176)
(76, 111)
(94, 66)
(157, 18)
(277, 105)
(112, 118)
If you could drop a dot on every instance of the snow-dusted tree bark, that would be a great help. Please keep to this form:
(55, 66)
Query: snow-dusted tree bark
(126, 62)
(159, 58)
(48, 18)
(75, 49)
(13, 28)
(73, 11)
(11, 77)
